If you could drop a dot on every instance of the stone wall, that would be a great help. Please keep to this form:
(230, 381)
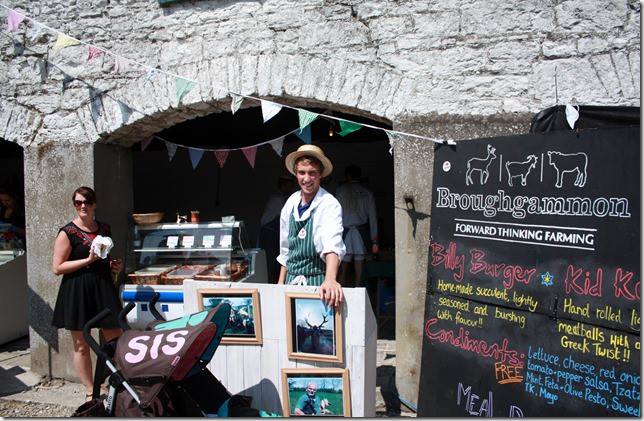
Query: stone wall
(453, 69)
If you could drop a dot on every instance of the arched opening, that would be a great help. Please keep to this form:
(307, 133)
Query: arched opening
(13, 262)
(235, 188)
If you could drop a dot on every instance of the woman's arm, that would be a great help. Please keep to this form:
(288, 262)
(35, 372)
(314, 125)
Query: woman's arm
(282, 277)
(62, 249)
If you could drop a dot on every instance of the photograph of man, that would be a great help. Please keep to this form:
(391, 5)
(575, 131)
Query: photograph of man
(307, 404)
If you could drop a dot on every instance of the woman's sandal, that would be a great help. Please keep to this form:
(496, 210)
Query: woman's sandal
(89, 397)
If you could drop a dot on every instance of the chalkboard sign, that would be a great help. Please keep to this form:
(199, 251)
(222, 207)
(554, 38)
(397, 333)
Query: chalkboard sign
(533, 278)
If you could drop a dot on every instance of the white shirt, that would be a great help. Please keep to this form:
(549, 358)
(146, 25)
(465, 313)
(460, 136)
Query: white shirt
(358, 206)
(327, 224)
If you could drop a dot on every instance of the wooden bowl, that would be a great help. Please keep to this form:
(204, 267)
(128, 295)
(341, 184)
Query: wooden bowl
(147, 218)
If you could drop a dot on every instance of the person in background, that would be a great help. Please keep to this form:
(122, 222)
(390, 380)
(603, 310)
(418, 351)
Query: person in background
(86, 288)
(269, 232)
(360, 223)
(12, 213)
(311, 246)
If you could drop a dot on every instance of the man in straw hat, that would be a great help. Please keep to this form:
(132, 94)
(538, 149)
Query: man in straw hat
(311, 245)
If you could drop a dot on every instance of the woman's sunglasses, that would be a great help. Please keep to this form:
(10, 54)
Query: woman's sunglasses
(79, 203)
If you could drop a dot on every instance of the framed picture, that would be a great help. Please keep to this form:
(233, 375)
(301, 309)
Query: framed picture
(245, 322)
(316, 392)
(313, 330)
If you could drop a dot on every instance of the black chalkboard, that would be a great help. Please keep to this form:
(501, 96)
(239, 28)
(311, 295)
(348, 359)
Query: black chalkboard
(534, 249)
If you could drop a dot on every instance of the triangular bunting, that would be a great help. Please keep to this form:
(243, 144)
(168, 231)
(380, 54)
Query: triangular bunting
(37, 31)
(67, 79)
(348, 127)
(14, 19)
(236, 102)
(269, 109)
(221, 157)
(96, 103)
(146, 142)
(151, 74)
(183, 86)
(305, 134)
(277, 145)
(195, 156)
(306, 118)
(120, 65)
(93, 52)
(250, 154)
(393, 138)
(126, 112)
(63, 41)
(172, 149)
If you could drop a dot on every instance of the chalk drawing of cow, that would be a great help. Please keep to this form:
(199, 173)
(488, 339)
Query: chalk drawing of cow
(480, 164)
(520, 169)
(572, 162)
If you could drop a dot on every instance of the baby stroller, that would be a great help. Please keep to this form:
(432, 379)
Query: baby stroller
(161, 370)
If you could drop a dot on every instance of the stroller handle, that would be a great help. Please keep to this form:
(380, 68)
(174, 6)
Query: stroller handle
(87, 335)
(122, 319)
(153, 308)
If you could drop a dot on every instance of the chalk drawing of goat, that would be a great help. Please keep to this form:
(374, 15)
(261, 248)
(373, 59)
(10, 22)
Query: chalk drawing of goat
(520, 169)
(480, 164)
(572, 162)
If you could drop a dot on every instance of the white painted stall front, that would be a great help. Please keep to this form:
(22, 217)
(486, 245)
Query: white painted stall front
(255, 370)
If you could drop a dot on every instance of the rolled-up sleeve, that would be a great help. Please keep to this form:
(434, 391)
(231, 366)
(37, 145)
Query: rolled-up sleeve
(330, 228)
(282, 258)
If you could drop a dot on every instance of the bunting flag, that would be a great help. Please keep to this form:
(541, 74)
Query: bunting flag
(18, 48)
(235, 103)
(277, 145)
(172, 149)
(195, 156)
(150, 75)
(37, 31)
(63, 41)
(306, 118)
(126, 112)
(250, 154)
(183, 86)
(393, 138)
(572, 115)
(348, 127)
(93, 53)
(67, 79)
(221, 157)
(120, 65)
(269, 109)
(96, 102)
(146, 142)
(14, 19)
(305, 134)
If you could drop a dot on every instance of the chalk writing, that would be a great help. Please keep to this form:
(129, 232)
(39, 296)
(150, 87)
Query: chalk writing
(448, 258)
(471, 404)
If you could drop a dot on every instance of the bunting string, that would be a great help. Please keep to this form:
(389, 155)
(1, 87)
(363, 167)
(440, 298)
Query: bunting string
(184, 84)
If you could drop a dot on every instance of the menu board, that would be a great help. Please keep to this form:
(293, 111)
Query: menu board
(533, 301)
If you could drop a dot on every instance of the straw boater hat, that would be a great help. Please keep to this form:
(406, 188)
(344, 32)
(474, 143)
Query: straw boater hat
(309, 150)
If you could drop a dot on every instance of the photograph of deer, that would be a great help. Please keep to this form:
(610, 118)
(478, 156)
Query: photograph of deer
(481, 165)
(245, 323)
(314, 331)
(316, 392)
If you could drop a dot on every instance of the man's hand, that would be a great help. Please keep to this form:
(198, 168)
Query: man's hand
(116, 266)
(331, 292)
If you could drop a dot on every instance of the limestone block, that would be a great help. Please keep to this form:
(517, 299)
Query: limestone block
(314, 73)
(562, 48)
(21, 125)
(592, 45)
(287, 42)
(437, 24)
(219, 77)
(339, 70)
(372, 9)
(61, 127)
(264, 74)
(590, 15)
(624, 76)
(572, 75)
(234, 73)
(388, 87)
(325, 79)
(204, 85)
(370, 87)
(84, 116)
(634, 60)
(331, 35)
(353, 83)
(45, 102)
(498, 17)
(248, 74)
(387, 28)
(293, 80)
(606, 72)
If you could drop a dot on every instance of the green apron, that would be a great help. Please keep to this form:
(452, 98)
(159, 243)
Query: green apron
(304, 266)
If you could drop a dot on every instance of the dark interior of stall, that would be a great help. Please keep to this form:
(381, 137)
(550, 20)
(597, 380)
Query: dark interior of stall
(237, 189)
(12, 184)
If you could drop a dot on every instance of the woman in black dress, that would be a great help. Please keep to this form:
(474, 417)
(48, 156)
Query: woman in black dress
(86, 287)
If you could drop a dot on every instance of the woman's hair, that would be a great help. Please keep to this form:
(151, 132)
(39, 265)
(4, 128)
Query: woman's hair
(307, 159)
(87, 192)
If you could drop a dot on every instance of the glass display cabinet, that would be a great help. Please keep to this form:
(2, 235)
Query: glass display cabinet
(166, 254)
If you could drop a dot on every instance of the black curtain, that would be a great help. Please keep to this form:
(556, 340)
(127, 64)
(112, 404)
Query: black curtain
(590, 117)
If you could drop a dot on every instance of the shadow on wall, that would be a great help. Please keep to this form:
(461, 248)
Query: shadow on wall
(40, 316)
(267, 390)
(386, 379)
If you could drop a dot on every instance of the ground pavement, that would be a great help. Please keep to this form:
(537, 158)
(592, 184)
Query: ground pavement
(26, 394)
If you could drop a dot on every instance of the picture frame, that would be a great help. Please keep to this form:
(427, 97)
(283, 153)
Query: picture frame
(332, 386)
(313, 331)
(245, 323)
